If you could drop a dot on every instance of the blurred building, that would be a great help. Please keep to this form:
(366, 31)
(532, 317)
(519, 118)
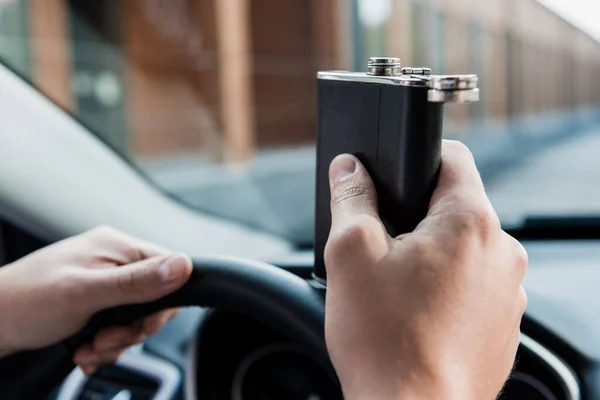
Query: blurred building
(227, 77)
(529, 59)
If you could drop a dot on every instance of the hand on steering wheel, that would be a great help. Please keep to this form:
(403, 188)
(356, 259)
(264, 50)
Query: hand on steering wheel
(51, 294)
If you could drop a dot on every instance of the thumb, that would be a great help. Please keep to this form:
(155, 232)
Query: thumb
(142, 281)
(356, 230)
(352, 191)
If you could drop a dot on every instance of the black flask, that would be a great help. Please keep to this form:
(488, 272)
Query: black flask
(391, 119)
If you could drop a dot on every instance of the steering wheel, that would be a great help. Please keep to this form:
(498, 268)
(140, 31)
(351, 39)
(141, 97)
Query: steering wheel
(268, 294)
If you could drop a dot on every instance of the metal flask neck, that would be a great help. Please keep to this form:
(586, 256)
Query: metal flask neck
(460, 89)
(392, 66)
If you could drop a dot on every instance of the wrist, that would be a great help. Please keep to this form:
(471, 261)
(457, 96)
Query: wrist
(406, 393)
(414, 388)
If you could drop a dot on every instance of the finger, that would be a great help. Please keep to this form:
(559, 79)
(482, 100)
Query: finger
(85, 355)
(459, 186)
(521, 259)
(87, 359)
(155, 322)
(522, 302)
(139, 282)
(103, 358)
(121, 247)
(138, 249)
(352, 190)
(517, 254)
(116, 337)
(510, 270)
(89, 369)
(357, 233)
(110, 357)
(460, 209)
(90, 363)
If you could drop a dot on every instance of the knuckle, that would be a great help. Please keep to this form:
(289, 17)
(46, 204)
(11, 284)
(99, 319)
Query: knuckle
(522, 300)
(427, 250)
(357, 234)
(127, 283)
(74, 286)
(103, 231)
(355, 237)
(109, 237)
(521, 258)
(136, 280)
(423, 246)
(477, 224)
(104, 235)
(460, 148)
(133, 253)
(345, 193)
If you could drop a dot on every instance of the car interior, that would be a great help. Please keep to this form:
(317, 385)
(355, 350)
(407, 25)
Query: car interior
(192, 124)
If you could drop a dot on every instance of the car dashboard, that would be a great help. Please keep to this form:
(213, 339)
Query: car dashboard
(214, 354)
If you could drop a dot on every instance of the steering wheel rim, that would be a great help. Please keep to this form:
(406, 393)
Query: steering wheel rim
(268, 294)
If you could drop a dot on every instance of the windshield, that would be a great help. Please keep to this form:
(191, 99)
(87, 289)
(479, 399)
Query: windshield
(215, 101)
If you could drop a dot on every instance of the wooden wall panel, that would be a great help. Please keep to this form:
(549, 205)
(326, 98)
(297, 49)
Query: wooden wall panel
(170, 67)
(51, 50)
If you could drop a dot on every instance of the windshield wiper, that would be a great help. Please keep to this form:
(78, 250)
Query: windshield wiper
(557, 227)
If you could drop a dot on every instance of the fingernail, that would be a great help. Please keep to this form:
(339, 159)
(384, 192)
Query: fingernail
(341, 167)
(173, 268)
